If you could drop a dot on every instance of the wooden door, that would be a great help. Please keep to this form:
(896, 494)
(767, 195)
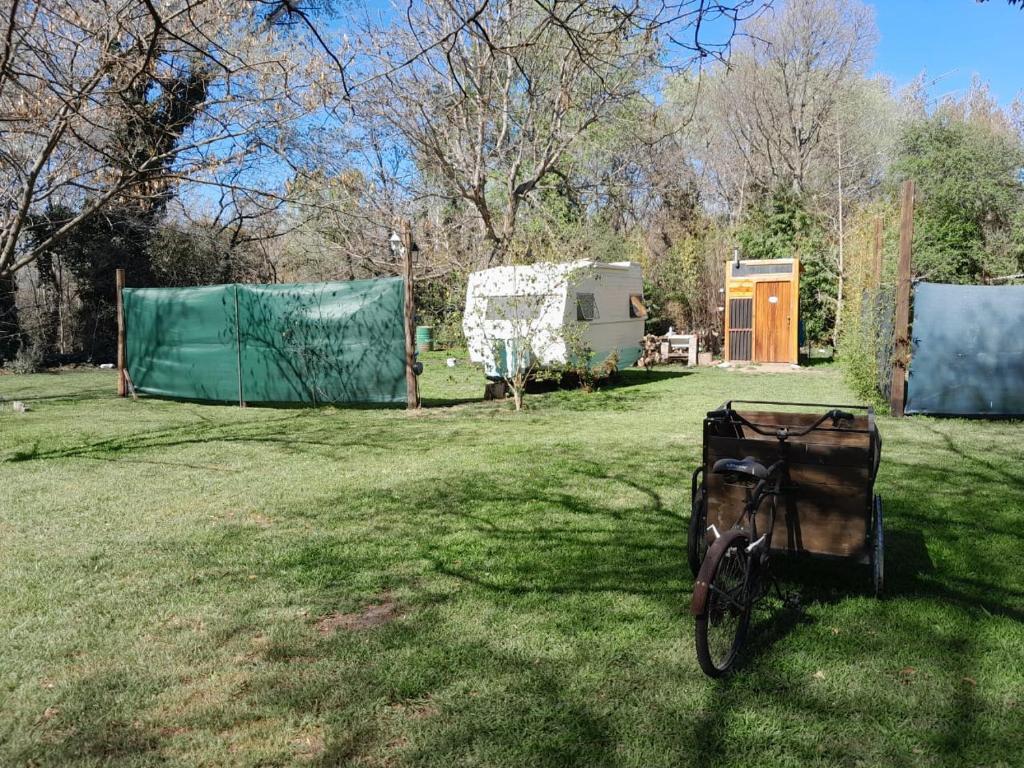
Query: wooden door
(772, 322)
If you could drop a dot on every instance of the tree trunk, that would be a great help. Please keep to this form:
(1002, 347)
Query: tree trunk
(517, 397)
(48, 337)
(10, 328)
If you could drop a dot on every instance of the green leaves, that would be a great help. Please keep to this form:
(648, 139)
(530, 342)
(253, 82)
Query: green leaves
(966, 218)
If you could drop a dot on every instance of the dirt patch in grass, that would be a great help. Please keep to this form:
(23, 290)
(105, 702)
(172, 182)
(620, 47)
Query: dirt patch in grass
(309, 745)
(167, 731)
(382, 611)
(415, 710)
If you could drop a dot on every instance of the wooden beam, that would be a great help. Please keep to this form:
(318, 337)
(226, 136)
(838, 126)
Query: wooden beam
(876, 252)
(122, 384)
(411, 382)
(130, 385)
(901, 322)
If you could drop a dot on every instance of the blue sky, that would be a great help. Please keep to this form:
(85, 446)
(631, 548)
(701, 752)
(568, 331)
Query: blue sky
(949, 39)
(952, 40)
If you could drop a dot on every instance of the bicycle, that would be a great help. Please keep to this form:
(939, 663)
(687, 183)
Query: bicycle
(734, 573)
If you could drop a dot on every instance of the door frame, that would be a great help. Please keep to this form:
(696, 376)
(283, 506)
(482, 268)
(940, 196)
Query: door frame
(745, 287)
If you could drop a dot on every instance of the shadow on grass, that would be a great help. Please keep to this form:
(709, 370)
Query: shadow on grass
(89, 393)
(539, 602)
(448, 402)
(295, 430)
(629, 390)
(816, 362)
(637, 377)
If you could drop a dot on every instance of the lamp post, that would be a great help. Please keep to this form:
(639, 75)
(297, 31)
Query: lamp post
(403, 247)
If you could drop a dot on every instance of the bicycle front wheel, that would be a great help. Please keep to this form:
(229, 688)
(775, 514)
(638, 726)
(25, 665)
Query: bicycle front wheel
(723, 617)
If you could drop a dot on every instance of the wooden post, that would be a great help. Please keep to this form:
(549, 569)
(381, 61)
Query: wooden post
(901, 322)
(411, 383)
(122, 383)
(877, 252)
(238, 353)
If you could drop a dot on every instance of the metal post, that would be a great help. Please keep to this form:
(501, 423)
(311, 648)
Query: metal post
(238, 353)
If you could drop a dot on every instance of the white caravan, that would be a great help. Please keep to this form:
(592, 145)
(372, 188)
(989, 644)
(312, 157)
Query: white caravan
(542, 314)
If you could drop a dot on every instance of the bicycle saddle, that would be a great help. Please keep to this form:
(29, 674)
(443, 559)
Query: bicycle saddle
(748, 466)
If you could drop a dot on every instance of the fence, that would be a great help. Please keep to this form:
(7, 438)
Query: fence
(340, 342)
(882, 306)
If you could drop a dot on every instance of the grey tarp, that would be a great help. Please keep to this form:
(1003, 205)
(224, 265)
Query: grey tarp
(967, 349)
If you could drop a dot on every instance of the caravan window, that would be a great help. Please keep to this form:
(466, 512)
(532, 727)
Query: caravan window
(636, 306)
(520, 307)
(586, 307)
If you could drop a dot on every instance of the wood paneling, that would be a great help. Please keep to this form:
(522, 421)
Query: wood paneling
(827, 510)
(825, 434)
(814, 519)
(772, 322)
(797, 453)
(746, 339)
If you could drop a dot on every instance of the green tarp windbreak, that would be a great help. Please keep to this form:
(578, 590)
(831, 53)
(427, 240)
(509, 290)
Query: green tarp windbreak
(341, 342)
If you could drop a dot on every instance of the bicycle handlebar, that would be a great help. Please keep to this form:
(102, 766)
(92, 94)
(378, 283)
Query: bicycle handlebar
(783, 433)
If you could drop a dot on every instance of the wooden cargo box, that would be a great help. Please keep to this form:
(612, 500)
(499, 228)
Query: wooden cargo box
(831, 473)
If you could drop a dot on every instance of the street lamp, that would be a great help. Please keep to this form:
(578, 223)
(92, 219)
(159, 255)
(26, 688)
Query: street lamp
(398, 249)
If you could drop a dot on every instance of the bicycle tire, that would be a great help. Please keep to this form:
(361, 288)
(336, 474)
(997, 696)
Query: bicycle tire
(878, 549)
(721, 625)
(697, 534)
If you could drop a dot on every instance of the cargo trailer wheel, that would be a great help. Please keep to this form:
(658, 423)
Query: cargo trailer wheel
(697, 535)
(878, 548)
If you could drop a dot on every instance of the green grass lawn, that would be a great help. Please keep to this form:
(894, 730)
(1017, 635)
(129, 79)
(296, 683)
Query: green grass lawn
(186, 584)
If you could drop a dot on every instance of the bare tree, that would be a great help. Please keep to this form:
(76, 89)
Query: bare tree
(218, 84)
(488, 113)
(769, 116)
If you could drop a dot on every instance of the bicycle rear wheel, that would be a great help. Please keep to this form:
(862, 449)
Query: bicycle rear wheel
(722, 618)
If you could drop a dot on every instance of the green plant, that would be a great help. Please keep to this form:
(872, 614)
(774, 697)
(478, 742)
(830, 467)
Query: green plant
(966, 168)
(29, 359)
(782, 227)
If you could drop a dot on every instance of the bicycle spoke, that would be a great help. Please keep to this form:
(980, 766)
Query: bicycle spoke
(730, 596)
(728, 607)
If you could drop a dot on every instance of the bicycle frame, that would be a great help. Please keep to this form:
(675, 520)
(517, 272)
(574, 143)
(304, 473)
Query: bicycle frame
(759, 548)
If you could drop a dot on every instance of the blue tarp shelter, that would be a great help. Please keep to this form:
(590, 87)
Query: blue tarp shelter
(967, 347)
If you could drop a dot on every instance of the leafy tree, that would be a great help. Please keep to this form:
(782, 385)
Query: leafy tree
(145, 127)
(783, 228)
(967, 170)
